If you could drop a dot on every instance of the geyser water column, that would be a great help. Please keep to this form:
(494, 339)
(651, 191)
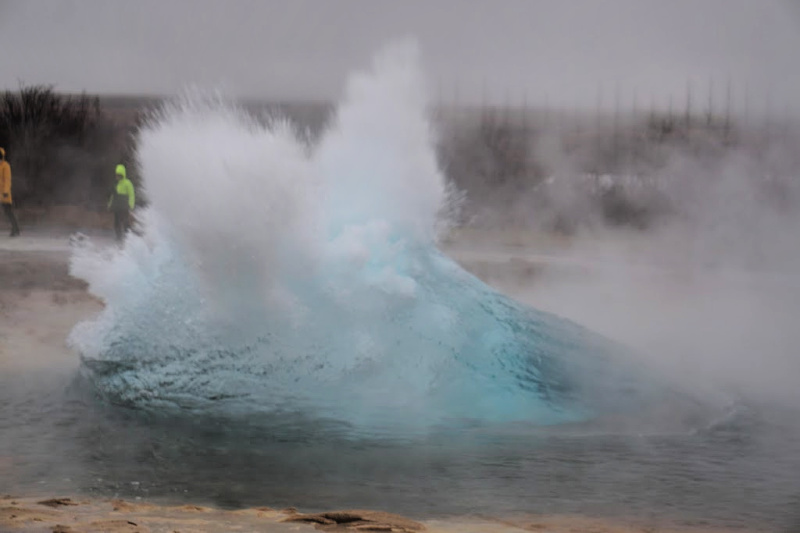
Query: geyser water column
(275, 277)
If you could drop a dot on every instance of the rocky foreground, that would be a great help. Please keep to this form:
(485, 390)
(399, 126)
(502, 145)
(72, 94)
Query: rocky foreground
(67, 515)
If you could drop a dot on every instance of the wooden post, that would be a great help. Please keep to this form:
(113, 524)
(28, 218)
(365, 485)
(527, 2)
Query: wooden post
(688, 117)
(728, 103)
(710, 110)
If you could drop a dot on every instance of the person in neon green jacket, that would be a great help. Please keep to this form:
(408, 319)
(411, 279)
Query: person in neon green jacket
(122, 202)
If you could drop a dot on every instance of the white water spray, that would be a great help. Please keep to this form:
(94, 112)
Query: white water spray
(275, 276)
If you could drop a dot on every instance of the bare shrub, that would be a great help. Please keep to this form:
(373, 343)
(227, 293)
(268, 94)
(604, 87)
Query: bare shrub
(60, 146)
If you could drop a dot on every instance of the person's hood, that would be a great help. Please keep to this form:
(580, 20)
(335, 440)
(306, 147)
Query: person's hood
(121, 171)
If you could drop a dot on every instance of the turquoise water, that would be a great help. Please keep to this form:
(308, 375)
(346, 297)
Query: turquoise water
(278, 275)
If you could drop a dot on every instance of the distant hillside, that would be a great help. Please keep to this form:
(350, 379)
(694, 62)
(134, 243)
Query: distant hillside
(126, 110)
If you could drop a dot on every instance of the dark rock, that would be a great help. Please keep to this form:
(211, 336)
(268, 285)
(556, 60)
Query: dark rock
(57, 502)
(357, 520)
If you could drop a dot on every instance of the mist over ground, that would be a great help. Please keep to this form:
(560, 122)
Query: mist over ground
(682, 234)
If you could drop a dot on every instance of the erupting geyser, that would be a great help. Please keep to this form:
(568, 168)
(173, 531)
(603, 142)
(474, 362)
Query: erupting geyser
(276, 276)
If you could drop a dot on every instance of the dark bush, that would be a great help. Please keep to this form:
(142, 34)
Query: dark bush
(61, 147)
(490, 159)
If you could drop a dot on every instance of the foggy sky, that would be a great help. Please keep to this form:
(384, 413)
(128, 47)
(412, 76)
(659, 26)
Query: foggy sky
(564, 52)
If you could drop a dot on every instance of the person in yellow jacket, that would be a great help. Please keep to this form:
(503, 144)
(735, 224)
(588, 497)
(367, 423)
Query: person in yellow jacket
(122, 202)
(5, 193)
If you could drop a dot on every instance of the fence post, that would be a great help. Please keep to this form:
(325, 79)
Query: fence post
(688, 118)
(728, 103)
